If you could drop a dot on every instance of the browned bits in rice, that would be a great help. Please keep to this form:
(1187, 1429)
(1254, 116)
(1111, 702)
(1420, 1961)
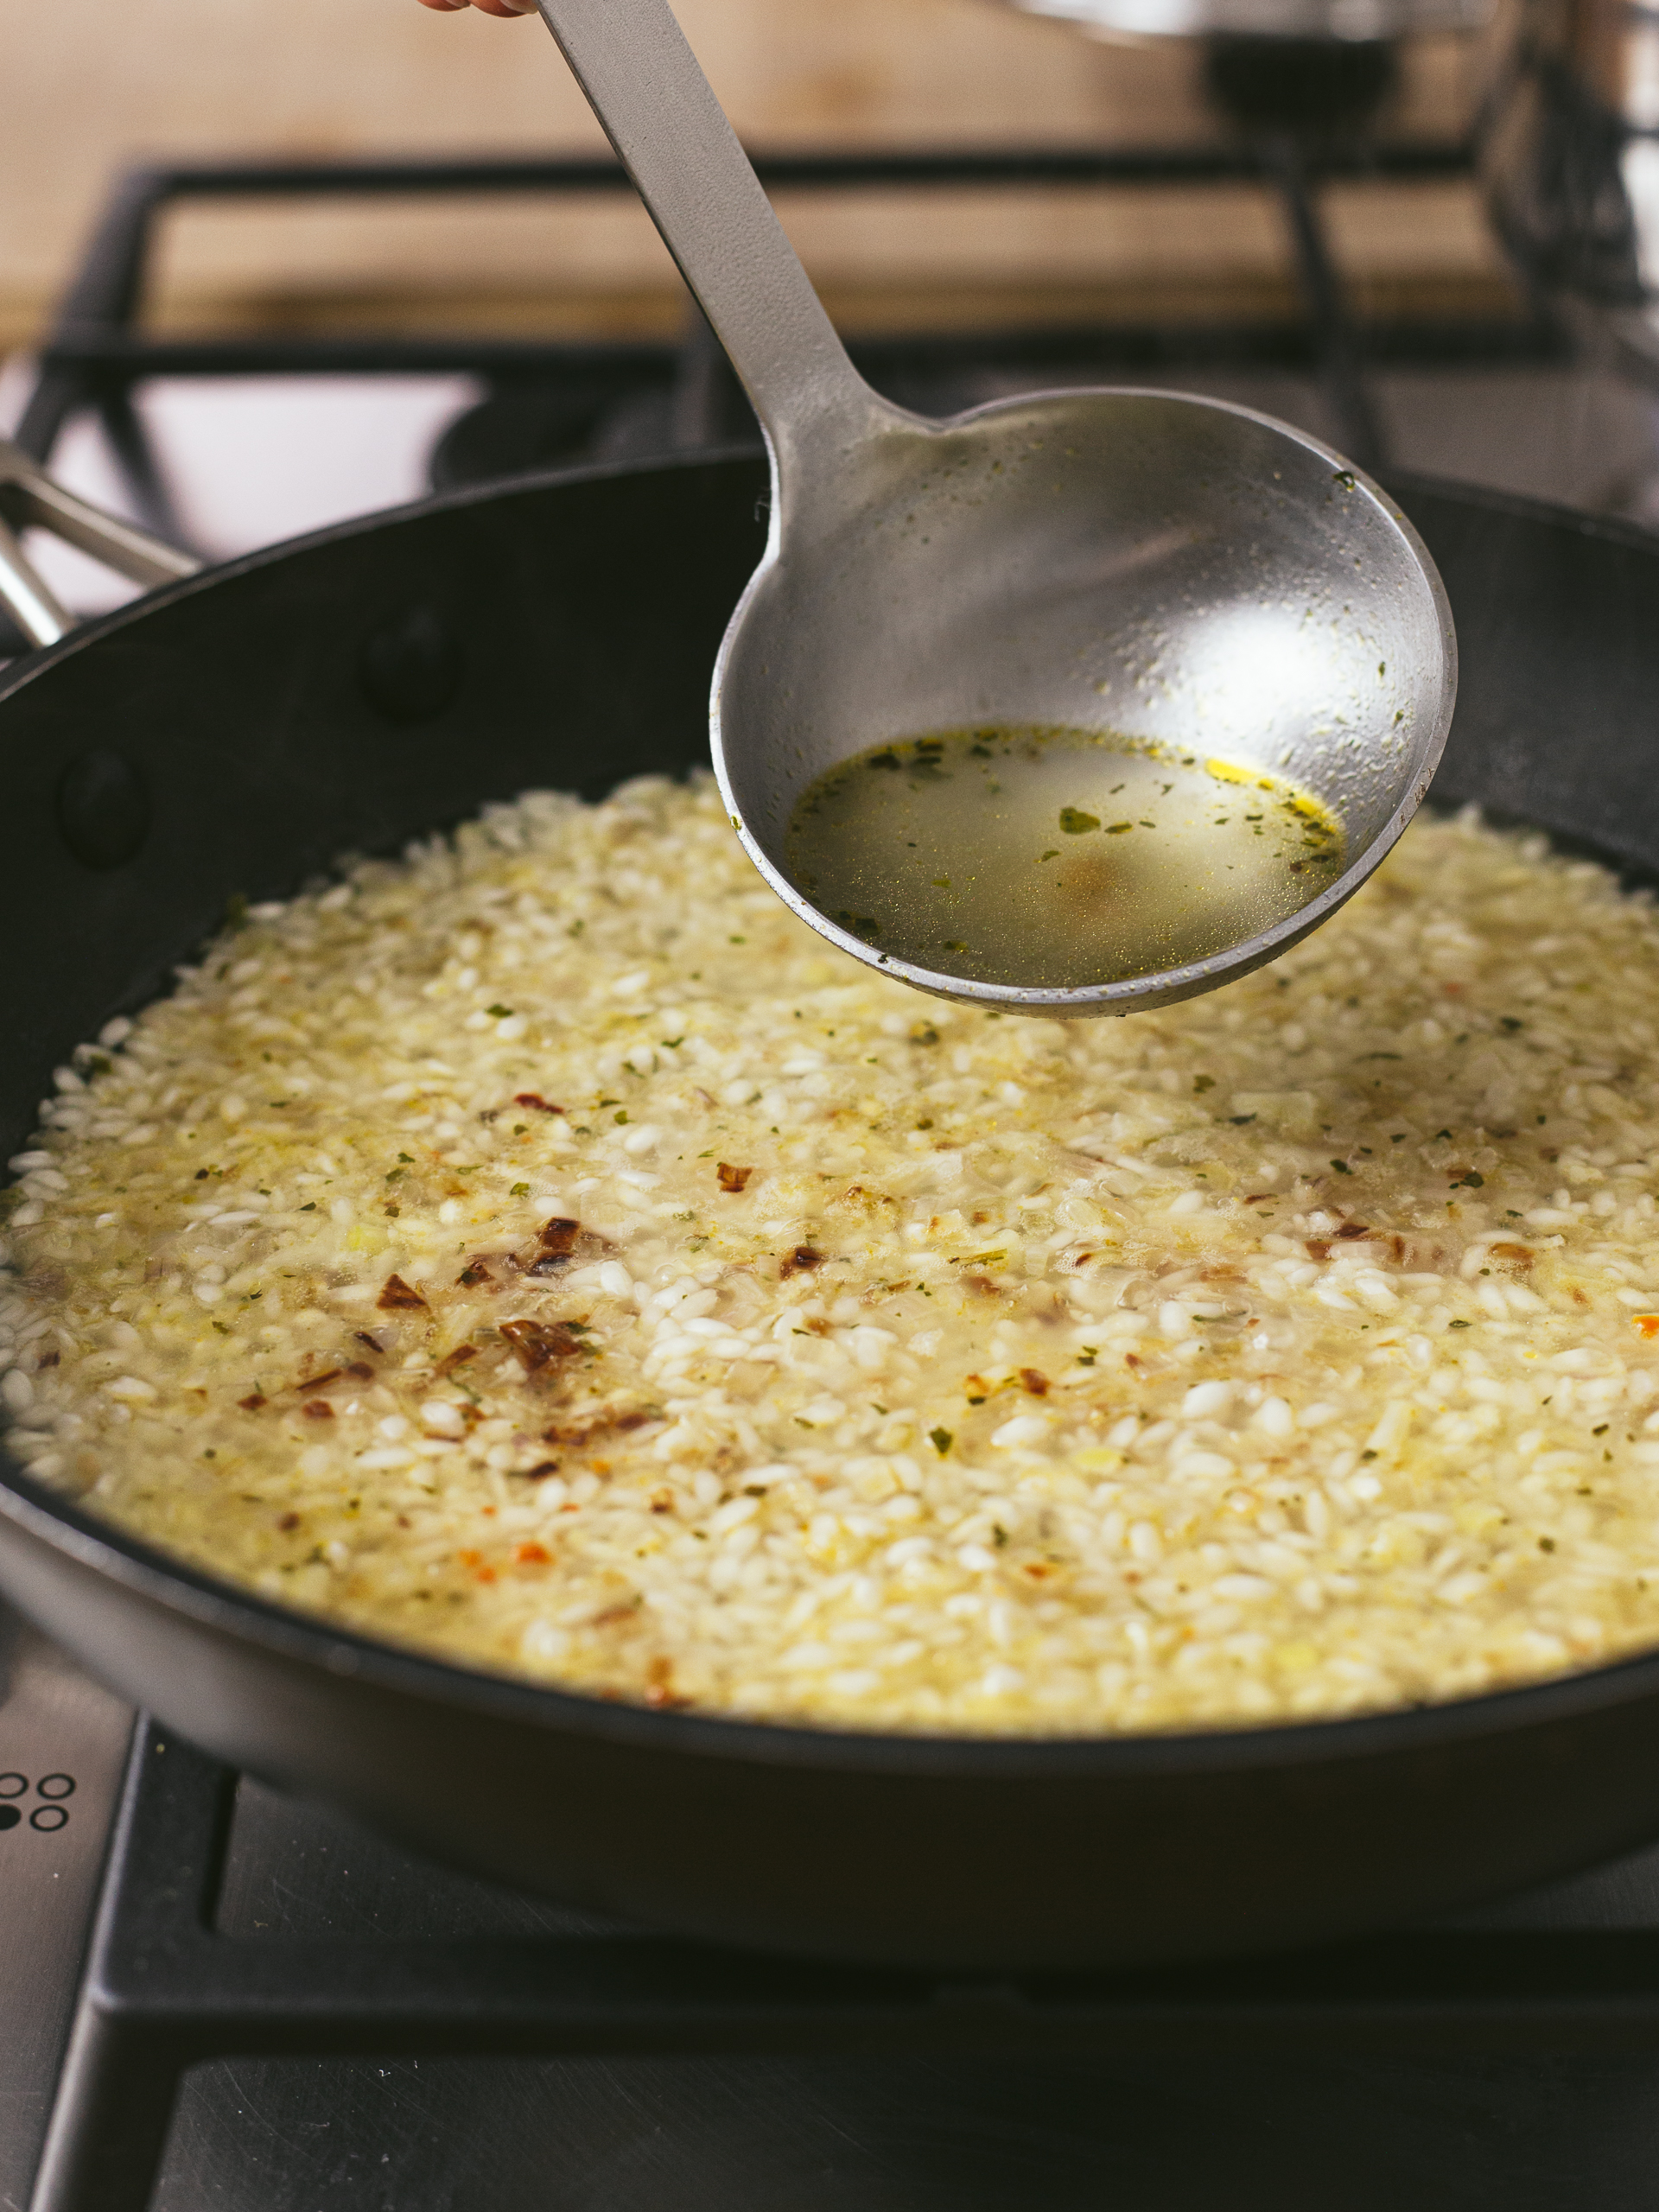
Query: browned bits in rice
(1036, 1384)
(535, 1343)
(559, 1243)
(1512, 1256)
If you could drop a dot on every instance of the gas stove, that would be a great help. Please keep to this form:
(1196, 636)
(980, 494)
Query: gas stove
(272, 2011)
(215, 1999)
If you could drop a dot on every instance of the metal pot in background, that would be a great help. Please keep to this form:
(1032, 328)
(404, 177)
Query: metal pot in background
(1571, 158)
(1316, 68)
(1343, 22)
(1296, 81)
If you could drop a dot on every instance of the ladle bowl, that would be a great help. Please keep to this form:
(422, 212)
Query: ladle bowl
(1141, 563)
(1161, 566)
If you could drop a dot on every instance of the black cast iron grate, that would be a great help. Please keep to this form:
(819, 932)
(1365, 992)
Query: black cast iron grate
(165, 1990)
(99, 351)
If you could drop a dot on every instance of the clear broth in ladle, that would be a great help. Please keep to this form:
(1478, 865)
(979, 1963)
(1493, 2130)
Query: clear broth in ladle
(1055, 857)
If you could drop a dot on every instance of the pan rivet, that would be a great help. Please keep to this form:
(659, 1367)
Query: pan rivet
(410, 666)
(103, 808)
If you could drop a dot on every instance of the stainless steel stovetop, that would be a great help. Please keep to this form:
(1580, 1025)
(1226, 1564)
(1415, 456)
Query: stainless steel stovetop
(62, 1743)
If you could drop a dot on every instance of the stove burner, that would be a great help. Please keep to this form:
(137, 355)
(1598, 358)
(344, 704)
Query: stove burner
(1321, 89)
(522, 427)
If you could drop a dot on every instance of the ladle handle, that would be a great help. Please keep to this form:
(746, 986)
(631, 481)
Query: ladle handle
(659, 111)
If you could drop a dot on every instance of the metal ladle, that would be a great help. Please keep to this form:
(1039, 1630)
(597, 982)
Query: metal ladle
(1173, 569)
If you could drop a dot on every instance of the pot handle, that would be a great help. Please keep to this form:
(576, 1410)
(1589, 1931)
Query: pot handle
(27, 496)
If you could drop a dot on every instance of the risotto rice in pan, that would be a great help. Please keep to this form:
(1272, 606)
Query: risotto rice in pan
(546, 1251)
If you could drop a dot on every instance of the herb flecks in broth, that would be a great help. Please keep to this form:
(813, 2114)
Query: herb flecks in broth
(1049, 857)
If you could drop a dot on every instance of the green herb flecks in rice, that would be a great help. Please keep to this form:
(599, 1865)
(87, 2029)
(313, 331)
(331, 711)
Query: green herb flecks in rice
(548, 1251)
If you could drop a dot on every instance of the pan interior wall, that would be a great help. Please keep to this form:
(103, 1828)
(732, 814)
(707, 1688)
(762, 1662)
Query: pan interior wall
(378, 684)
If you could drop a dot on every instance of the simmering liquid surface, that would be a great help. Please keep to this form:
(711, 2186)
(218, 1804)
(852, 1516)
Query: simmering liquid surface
(1055, 857)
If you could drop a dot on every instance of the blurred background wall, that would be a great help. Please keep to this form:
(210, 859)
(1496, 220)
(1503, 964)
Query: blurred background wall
(89, 85)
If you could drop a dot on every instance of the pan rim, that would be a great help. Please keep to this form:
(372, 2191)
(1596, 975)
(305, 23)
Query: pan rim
(287, 1633)
(28, 667)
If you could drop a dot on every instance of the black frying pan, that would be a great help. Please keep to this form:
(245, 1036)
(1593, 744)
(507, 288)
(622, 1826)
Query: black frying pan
(227, 738)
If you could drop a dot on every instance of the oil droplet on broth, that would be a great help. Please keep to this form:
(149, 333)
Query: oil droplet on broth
(1053, 857)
